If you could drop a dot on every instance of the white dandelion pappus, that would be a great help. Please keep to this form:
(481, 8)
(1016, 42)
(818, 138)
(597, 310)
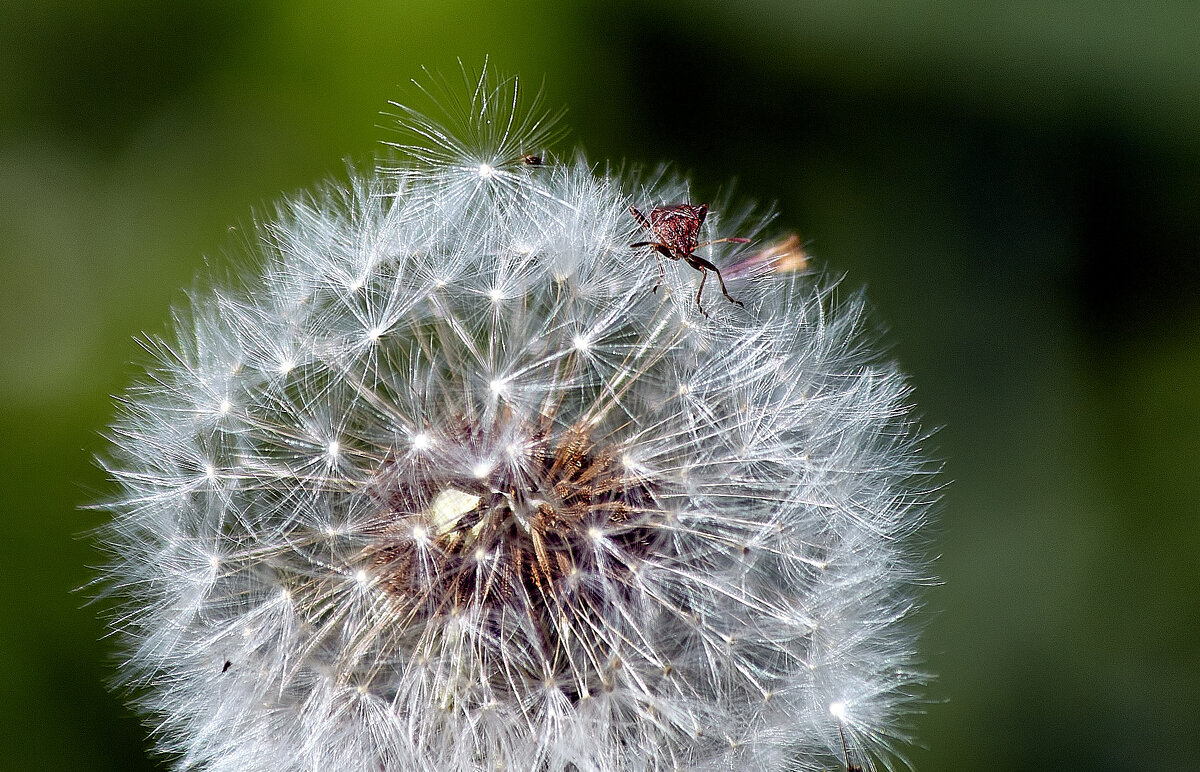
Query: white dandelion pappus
(446, 486)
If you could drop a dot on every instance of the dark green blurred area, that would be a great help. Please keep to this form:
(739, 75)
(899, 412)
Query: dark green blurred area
(1017, 184)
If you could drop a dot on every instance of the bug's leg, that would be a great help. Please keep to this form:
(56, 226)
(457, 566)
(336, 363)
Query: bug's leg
(659, 248)
(703, 276)
(641, 218)
(701, 264)
(725, 292)
(662, 273)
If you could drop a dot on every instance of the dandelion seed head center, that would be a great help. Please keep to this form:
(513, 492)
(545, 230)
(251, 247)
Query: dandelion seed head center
(486, 171)
(838, 710)
(519, 536)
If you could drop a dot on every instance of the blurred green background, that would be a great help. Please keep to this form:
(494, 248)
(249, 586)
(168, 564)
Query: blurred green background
(1016, 183)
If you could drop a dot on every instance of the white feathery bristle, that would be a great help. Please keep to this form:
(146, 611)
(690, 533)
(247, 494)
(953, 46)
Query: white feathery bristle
(448, 486)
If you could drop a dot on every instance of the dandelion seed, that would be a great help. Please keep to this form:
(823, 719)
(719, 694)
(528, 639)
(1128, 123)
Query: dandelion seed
(566, 523)
(449, 506)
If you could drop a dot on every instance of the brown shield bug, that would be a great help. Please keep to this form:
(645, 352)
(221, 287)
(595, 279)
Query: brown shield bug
(675, 229)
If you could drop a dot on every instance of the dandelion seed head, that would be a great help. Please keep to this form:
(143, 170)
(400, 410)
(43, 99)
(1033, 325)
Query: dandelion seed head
(510, 509)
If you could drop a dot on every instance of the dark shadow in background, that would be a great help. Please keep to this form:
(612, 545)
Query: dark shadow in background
(1132, 210)
(101, 73)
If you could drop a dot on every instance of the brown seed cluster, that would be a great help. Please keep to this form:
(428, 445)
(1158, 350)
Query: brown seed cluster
(531, 535)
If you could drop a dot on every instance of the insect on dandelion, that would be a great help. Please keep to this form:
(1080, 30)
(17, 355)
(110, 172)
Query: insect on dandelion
(445, 485)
